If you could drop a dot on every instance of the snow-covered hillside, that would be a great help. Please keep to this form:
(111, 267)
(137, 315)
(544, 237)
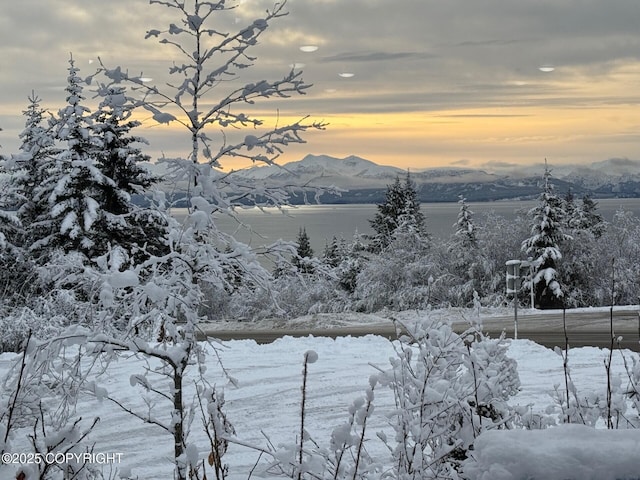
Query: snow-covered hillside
(348, 172)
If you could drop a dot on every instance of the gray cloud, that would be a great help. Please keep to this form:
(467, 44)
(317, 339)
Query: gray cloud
(371, 56)
(500, 165)
(488, 43)
(462, 162)
(407, 56)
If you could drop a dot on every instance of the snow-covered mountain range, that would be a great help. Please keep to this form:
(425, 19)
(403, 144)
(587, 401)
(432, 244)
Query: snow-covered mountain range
(363, 179)
(366, 181)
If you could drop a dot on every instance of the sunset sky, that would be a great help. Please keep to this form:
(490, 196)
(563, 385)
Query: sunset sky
(435, 82)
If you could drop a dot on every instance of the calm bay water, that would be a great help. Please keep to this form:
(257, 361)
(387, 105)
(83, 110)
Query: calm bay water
(322, 222)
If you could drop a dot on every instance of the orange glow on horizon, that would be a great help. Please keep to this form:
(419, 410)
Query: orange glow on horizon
(432, 139)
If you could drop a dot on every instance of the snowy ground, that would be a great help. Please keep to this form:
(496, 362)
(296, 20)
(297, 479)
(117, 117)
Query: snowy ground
(266, 401)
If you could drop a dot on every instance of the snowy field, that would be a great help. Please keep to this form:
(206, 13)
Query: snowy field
(266, 402)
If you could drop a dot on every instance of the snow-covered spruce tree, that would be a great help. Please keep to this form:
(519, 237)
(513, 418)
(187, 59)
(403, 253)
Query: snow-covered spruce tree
(584, 256)
(401, 208)
(16, 271)
(353, 258)
(74, 183)
(346, 259)
(569, 205)
(465, 227)
(304, 253)
(25, 171)
(588, 218)
(547, 234)
(140, 231)
(29, 169)
(465, 258)
(332, 252)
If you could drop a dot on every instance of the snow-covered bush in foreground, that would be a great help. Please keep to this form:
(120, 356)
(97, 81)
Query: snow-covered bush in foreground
(39, 395)
(448, 388)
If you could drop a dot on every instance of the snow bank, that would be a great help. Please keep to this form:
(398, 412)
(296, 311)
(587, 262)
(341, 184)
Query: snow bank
(565, 452)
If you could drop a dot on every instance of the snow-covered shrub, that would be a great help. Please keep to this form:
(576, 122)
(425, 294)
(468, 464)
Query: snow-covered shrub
(584, 256)
(448, 389)
(291, 294)
(621, 252)
(632, 391)
(403, 276)
(37, 408)
(17, 323)
(302, 295)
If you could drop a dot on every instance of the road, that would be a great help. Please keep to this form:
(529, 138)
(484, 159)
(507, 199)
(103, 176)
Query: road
(583, 328)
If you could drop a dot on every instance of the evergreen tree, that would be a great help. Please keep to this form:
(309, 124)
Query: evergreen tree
(570, 209)
(465, 257)
(588, 218)
(17, 273)
(543, 245)
(331, 255)
(400, 212)
(28, 170)
(411, 219)
(74, 184)
(353, 260)
(465, 232)
(118, 158)
(304, 253)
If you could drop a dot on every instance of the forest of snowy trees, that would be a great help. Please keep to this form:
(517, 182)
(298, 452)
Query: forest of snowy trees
(575, 256)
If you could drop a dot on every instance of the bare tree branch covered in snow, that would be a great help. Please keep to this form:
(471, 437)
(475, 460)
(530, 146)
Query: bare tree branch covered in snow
(213, 59)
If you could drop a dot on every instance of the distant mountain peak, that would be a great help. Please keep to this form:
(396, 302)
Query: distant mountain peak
(367, 181)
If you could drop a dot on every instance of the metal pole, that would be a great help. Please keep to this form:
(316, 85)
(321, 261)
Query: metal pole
(515, 315)
(533, 301)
